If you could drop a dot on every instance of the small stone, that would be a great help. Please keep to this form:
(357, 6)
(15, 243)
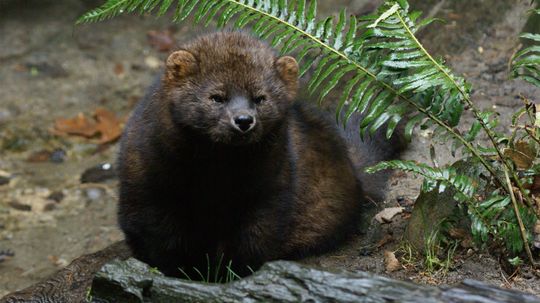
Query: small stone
(49, 207)
(20, 206)
(56, 196)
(4, 180)
(152, 62)
(6, 255)
(94, 193)
(58, 156)
(99, 173)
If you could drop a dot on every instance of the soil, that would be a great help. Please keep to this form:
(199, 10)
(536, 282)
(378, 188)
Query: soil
(50, 68)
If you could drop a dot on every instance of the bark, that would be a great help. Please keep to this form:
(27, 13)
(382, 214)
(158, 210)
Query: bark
(282, 281)
(72, 283)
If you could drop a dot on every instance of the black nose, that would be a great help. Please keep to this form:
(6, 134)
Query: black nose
(244, 122)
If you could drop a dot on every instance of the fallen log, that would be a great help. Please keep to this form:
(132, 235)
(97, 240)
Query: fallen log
(72, 283)
(283, 281)
(128, 280)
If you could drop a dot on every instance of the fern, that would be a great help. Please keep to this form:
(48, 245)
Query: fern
(390, 75)
(441, 178)
(526, 63)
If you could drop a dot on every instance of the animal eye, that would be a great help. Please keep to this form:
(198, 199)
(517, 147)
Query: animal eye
(259, 99)
(217, 98)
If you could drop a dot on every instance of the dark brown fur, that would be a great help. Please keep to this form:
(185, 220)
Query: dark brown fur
(192, 186)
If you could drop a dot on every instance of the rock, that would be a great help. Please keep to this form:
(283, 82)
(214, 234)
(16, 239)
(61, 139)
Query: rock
(98, 174)
(58, 156)
(152, 62)
(386, 215)
(4, 180)
(20, 206)
(49, 207)
(6, 255)
(56, 196)
(94, 193)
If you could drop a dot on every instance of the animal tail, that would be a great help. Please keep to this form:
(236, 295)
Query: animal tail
(371, 150)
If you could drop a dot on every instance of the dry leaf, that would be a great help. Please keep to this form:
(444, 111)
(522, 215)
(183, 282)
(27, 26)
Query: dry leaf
(386, 215)
(385, 239)
(80, 126)
(105, 125)
(391, 262)
(161, 40)
(458, 233)
(535, 186)
(108, 125)
(523, 154)
(39, 156)
(118, 69)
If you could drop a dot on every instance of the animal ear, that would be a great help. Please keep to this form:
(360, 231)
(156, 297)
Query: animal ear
(180, 64)
(287, 68)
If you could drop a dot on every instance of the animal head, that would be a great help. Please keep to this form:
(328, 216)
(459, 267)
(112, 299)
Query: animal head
(230, 87)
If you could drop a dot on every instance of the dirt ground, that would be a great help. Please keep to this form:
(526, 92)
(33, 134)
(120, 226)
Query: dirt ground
(50, 69)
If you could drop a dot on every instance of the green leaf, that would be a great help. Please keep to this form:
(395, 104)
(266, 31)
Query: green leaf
(334, 80)
(346, 93)
(165, 5)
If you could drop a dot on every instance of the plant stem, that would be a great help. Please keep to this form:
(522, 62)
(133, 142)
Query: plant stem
(476, 113)
(531, 134)
(520, 221)
(465, 96)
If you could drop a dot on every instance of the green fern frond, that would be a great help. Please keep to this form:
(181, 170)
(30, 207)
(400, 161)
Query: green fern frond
(410, 69)
(348, 49)
(441, 178)
(494, 218)
(491, 218)
(526, 63)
